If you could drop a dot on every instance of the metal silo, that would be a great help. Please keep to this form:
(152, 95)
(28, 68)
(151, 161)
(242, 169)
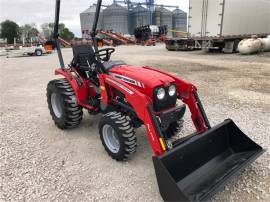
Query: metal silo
(179, 20)
(166, 17)
(87, 19)
(139, 16)
(115, 17)
(157, 16)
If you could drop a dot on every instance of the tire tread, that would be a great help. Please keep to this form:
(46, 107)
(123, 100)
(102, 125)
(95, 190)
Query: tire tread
(72, 112)
(124, 128)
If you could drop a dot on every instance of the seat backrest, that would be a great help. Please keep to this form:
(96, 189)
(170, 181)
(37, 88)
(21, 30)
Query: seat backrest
(83, 54)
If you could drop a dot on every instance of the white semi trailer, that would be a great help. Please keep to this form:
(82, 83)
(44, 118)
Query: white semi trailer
(221, 24)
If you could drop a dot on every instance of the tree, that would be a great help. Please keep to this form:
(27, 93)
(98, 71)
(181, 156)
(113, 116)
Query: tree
(10, 30)
(67, 34)
(28, 31)
(47, 29)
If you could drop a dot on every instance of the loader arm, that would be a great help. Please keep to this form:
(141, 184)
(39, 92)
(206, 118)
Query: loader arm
(187, 92)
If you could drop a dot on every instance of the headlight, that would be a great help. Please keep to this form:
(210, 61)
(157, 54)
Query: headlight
(172, 90)
(161, 93)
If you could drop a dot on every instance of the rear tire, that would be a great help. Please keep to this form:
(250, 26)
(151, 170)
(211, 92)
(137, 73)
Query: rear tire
(117, 135)
(65, 111)
(173, 129)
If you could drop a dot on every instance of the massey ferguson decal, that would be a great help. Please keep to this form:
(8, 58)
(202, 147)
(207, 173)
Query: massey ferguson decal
(128, 80)
(120, 86)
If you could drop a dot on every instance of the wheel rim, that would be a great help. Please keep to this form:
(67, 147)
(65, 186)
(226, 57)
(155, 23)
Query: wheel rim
(111, 138)
(39, 53)
(56, 105)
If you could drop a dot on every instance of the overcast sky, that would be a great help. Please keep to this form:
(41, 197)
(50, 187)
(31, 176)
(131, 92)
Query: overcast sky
(40, 11)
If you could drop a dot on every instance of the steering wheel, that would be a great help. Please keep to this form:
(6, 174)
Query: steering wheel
(105, 53)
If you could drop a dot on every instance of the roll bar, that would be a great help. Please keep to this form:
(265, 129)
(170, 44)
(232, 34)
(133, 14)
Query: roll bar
(94, 28)
(56, 30)
(56, 33)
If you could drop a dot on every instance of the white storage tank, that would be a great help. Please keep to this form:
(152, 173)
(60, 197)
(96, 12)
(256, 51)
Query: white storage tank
(249, 46)
(265, 43)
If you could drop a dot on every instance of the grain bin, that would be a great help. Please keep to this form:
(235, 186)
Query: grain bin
(157, 16)
(179, 20)
(87, 19)
(166, 17)
(115, 17)
(140, 16)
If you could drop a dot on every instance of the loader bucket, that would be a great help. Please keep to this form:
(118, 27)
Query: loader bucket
(197, 168)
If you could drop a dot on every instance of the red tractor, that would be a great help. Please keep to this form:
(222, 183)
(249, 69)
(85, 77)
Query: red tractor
(189, 169)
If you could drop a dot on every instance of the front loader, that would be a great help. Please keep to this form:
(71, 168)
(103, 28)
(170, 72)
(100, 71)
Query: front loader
(192, 168)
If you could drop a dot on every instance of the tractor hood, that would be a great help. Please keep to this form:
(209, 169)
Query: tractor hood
(141, 78)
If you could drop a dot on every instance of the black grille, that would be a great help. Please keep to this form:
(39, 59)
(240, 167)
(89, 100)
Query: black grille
(167, 102)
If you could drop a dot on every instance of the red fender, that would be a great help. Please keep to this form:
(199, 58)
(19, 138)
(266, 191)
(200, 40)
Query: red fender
(139, 102)
(81, 92)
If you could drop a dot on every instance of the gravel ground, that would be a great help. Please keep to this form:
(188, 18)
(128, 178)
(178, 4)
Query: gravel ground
(39, 162)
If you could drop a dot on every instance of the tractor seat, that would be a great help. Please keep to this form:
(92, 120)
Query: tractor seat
(83, 56)
(110, 64)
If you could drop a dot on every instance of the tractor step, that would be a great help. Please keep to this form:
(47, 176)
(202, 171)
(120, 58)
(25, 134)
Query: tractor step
(91, 104)
(202, 164)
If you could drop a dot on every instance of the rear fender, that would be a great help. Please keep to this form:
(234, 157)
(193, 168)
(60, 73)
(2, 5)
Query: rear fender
(139, 103)
(81, 92)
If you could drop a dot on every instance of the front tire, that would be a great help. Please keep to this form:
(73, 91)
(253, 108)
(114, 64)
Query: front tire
(117, 135)
(65, 111)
